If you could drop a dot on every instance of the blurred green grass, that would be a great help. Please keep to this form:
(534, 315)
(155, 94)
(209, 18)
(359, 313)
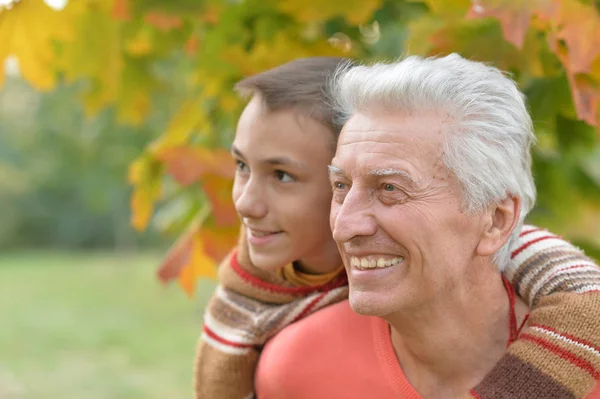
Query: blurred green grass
(94, 326)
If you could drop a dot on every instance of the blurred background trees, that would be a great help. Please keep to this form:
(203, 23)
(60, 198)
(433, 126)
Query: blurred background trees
(101, 93)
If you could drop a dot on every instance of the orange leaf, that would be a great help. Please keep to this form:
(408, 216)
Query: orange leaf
(191, 45)
(177, 257)
(586, 96)
(188, 164)
(218, 191)
(199, 266)
(218, 241)
(579, 27)
(121, 10)
(163, 22)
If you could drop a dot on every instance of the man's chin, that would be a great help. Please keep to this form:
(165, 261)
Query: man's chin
(369, 304)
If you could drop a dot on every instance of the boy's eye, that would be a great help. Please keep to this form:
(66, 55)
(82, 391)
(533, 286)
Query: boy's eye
(241, 166)
(283, 176)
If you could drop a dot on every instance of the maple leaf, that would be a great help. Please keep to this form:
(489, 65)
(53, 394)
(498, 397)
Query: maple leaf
(177, 257)
(514, 15)
(218, 240)
(188, 164)
(188, 119)
(218, 191)
(28, 30)
(586, 94)
(187, 262)
(578, 25)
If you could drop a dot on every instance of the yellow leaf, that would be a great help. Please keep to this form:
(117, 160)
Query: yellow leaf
(96, 29)
(199, 266)
(141, 44)
(28, 31)
(188, 119)
(354, 11)
(448, 9)
(142, 205)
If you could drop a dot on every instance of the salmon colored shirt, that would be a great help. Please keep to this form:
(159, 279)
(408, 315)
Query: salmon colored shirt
(333, 353)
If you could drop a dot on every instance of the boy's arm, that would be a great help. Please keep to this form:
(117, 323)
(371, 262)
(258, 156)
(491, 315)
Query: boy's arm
(244, 312)
(558, 354)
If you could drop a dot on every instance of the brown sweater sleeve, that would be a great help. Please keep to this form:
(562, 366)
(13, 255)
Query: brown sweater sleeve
(558, 353)
(248, 308)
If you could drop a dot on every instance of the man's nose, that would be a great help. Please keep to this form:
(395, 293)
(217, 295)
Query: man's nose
(250, 201)
(353, 217)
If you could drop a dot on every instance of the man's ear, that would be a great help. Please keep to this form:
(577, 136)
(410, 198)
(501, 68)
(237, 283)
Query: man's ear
(504, 217)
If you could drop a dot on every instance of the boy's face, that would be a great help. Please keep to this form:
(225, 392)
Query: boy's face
(281, 190)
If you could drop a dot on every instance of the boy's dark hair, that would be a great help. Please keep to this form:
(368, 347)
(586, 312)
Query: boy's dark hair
(301, 84)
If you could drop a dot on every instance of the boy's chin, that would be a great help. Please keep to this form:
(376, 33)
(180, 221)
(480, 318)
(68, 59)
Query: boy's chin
(267, 262)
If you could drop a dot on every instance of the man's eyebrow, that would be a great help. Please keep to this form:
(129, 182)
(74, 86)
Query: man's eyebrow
(393, 172)
(334, 170)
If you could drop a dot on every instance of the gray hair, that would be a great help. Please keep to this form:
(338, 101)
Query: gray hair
(489, 139)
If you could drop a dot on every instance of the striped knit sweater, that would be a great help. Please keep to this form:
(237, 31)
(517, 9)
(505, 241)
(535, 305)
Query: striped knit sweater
(557, 354)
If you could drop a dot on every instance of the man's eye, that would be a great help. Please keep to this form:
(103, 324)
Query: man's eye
(389, 187)
(339, 185)
(241, 166)
(283, 176)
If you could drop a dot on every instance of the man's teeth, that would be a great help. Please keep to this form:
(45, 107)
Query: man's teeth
(372, 262)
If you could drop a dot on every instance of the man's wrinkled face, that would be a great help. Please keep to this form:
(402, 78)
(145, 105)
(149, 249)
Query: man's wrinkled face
(396, 213)
(281, 190)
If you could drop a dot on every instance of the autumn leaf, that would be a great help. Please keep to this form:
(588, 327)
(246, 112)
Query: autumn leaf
(144, 174)
(188, 164)
(218, 191)
(514, 15)
(177, 257)
(585, 92)
(578, 25)
(200, 265)
(189, 118)
(447, 9)
(142, 205)
(354, 11)
(218, 240)
(28, 30)
(163, 22)
(121, 10)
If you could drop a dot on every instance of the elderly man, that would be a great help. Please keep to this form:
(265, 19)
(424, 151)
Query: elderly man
(431, 181)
